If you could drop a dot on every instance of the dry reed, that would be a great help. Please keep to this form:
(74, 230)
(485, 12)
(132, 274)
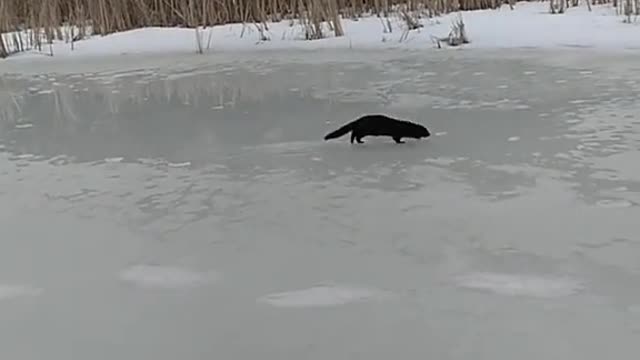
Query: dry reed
(34, 24)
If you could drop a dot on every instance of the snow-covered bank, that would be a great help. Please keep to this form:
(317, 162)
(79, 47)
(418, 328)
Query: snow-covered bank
(528, 25)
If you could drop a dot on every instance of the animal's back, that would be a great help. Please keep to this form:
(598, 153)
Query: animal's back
(375, 124)
(383, 125)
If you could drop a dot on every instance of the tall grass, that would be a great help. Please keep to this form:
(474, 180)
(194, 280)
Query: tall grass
(37, 23)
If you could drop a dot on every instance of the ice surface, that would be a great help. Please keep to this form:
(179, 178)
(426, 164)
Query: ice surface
(271, 243)
(10, 291)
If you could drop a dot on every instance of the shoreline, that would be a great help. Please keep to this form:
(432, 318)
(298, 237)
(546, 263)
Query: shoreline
(615, 62)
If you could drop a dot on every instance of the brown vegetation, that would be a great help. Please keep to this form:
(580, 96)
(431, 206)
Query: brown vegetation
(39, 21)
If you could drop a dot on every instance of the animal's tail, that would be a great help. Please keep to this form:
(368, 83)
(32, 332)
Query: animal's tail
(341, 131)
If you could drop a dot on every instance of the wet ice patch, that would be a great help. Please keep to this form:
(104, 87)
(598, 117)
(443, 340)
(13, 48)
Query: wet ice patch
(520, 285)
(322, 295)
(13, 291)
(165, 277)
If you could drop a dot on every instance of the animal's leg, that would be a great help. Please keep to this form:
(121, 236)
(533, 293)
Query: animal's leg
(357, 136)
(398, 140)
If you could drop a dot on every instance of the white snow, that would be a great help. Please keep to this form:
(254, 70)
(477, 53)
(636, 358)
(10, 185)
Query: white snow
(528, 25)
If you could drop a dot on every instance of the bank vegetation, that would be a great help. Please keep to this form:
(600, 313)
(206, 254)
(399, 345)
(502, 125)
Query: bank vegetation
(34, 24)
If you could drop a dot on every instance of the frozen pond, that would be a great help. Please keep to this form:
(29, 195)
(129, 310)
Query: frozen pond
(191, 210)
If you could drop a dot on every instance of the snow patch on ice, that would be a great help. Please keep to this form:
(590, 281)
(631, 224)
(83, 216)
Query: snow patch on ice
(8, 291)
(321, 296)
(165, 277)
(612, 204)
(179, 165)
(520, 285)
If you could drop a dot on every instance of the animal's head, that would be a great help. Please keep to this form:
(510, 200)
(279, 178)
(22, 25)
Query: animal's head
(422, 132)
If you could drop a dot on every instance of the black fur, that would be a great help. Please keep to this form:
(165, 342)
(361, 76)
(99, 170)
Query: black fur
(380, 125)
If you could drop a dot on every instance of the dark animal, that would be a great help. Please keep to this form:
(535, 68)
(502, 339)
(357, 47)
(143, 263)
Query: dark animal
(380, 125)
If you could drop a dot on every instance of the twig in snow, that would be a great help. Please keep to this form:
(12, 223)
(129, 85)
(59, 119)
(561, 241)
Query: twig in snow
(457, 36)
